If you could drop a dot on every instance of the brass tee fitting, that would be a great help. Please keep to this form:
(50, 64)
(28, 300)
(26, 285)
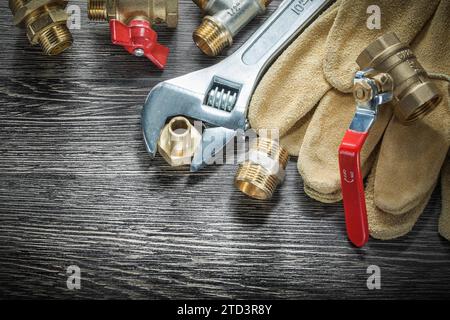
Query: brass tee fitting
(259, 176)
(223, 20)
(45, 22)
(178, 141)
(415, 94)
(153, 11)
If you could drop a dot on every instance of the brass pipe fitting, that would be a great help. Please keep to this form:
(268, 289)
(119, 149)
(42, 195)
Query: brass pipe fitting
(223, 20)
(45, 22)
(259, 176)
(178, 141)
(153, 11)
(415, 94)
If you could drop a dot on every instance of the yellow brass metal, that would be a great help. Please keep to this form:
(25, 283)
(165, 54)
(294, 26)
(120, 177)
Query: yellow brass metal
(154, 11)
(415, 93)
(223, 20)
(45, 22)
(259, 176)
(178, 141)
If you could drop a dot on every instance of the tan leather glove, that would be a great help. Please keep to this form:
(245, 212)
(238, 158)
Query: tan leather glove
(303, 95)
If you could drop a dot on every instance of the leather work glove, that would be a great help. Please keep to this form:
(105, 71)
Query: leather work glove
(306, 95)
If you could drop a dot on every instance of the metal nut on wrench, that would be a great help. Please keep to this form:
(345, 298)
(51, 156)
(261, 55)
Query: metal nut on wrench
(178, 141)
(219, 95)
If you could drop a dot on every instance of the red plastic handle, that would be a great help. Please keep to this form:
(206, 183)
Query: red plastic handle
(138, 38)
(353, 187)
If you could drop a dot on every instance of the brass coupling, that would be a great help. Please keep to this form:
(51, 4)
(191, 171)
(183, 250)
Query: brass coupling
(45, 22)
(264, 170)
(223, 20)
(178, 141)
(414, 92)
(153, 11)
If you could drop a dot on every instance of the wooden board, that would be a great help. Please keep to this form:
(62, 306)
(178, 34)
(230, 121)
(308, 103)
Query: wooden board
(78, 188)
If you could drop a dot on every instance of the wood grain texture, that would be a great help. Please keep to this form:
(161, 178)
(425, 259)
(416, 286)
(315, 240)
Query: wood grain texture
(78, 188)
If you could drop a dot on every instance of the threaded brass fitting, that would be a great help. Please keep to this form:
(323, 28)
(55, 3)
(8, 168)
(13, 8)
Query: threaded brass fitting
(178, 141)
(223, 20)
(45, 22)
(415, 93)
(154, 11)
(259, 176)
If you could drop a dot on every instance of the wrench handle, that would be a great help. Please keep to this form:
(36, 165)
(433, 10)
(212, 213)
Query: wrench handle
(291, 17)
(353, 187)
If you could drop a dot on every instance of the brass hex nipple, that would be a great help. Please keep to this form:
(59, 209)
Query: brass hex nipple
(154, 11)
(223, 20)
(210, 38)
(178, 141)
(259, 176)
(45, 22)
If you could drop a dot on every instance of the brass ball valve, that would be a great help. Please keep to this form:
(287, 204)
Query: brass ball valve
(131, 24)
(45, 22)
(390, 72)
(223, 20)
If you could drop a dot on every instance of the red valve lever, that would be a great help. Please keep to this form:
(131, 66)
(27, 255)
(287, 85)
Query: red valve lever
(353, 187)
(139, 39)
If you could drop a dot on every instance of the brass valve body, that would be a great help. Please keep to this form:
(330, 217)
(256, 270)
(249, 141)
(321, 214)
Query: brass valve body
(178, 141)
(223, 20)
(259, 176)
(45, 22)
(416, 95)
(154, 11)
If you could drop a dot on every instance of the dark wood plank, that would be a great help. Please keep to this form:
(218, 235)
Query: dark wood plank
(78, 188)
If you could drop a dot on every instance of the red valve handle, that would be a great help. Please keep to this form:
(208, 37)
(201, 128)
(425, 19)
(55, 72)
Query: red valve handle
(353, 187)
(139, 39)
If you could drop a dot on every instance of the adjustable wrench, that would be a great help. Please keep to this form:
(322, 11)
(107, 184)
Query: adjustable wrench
(219, 95)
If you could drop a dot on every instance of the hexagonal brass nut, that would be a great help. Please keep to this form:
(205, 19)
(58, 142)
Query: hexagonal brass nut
(176, 147)
(44, 22)
(33, 6)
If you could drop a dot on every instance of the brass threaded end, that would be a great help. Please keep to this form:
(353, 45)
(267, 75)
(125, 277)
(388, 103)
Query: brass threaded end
(210, 38)
(97, 10)
(254, 179)
(273, 150)
(55, 40)
(423, 110)
(266, 3)
(15, 5)
(201, 3)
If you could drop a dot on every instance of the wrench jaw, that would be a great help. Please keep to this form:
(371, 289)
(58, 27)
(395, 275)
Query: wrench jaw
(174, 98)
(213, 142)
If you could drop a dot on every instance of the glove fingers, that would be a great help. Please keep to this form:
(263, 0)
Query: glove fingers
(444, 220)
(318, 161)
(406, 18)
(295, 83)
(411, 158)
(383, 225)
